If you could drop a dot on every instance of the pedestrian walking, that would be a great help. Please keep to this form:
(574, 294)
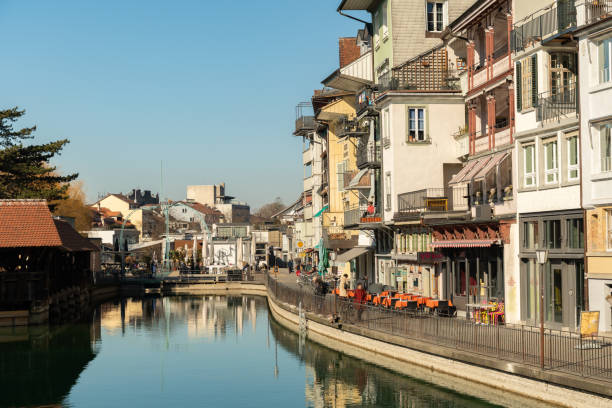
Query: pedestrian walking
(343, 286)
(290, 266)
(360, 299)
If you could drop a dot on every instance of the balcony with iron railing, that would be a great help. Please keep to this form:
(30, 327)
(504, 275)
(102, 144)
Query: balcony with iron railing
(432, 201)
(592, 11)
(304, 125)
(368, 155)
(351, 128)
(558, 18)
(429, 71)
(557, 104)
(364, 101)
(359, 216)
(416, 203)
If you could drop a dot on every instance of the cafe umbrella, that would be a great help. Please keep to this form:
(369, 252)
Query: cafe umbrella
(323, 258)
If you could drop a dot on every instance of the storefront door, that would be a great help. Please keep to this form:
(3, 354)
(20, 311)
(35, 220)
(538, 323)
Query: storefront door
(459, 282)
(563, 292)
(554, 294)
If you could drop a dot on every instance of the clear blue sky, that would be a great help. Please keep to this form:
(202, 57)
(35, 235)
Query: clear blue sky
(209, 87)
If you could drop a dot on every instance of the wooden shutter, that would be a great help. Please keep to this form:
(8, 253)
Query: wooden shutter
(518, 87)
(534, 80)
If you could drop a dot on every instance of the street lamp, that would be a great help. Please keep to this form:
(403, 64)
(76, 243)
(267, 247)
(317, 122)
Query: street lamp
(542, 258)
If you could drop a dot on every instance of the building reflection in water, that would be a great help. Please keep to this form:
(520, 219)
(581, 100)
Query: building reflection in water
(39, 365)
(204, 316)
(337, 380)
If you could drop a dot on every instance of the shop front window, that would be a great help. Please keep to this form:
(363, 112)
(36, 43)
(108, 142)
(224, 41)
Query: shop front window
(460, 283)
(530, 234)
(531, 288)
(579, 289)
(575, 233)
(552, 234)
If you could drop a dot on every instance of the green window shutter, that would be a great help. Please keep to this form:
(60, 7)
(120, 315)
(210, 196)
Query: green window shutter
(534, 80)
(518, 85)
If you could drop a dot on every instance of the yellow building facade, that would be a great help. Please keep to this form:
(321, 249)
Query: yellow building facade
(341, 161)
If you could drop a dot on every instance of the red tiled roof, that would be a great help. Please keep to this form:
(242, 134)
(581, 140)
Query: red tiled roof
(204, 209)
(180, 243)
(106, 212)
(71, 239)
(27, 223)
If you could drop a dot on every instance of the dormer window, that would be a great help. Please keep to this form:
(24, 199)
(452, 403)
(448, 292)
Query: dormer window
(435, 16)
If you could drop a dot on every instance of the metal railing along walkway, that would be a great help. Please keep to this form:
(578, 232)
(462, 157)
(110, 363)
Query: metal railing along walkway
(563, 351)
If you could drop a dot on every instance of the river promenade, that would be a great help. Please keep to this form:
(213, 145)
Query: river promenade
(449, 348)
(450, 352)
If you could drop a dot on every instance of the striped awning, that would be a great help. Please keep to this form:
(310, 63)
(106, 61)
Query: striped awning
(464, 243)
(495, 160)
(468, 171)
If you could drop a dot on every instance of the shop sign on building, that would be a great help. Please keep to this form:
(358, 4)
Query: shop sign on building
(429, 257)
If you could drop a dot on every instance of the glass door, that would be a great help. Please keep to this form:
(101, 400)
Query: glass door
(460, 289)
(554, 294)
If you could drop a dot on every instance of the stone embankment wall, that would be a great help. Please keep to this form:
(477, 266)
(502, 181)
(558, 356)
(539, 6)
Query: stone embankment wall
(493, 385)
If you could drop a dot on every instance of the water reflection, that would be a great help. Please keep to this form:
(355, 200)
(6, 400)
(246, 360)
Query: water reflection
(194, 351)
(333, 379)
(39, 366)
(207, 316)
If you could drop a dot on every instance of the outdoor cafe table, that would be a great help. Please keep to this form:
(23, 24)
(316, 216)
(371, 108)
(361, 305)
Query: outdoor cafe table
(387, 301)
(433, 303)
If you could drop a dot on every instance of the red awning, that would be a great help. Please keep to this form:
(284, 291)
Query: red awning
(464, 243)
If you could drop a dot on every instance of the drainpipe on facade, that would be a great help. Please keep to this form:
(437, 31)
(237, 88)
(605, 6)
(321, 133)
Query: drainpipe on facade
(585, 281)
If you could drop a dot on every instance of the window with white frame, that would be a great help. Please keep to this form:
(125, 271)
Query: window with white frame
(384, 27)
(572, 158)
(435, 16)
(387, 191)
(605, 147)
(529, 172)
(605, 60)
(551, 162)
(386, 130)
(416, 124)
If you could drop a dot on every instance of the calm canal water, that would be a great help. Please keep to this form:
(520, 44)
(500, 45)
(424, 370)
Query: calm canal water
(210, 351)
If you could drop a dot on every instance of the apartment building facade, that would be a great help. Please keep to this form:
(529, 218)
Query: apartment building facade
(594, 36)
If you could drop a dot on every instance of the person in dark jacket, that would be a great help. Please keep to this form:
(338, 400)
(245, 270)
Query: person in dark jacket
(320, 289)
(360, 299)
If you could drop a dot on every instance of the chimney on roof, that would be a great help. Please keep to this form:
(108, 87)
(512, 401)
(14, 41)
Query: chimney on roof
(349, 51)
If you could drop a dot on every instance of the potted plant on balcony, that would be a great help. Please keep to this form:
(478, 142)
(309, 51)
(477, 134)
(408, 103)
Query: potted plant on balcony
(492, 195)
(508, 193)
(477, 198)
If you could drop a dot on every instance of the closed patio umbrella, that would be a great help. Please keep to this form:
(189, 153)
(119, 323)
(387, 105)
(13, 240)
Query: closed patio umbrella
(239, 252)
(323, 258)
(205, 249)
